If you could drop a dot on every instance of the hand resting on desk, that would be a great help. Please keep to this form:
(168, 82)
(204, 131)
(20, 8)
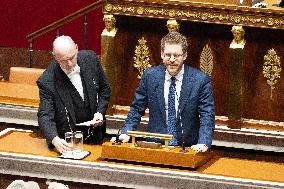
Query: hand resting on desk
(199, 147)
(61, 145)
(123, 137)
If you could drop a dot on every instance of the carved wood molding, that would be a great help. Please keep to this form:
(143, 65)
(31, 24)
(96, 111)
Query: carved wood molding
(199, 12)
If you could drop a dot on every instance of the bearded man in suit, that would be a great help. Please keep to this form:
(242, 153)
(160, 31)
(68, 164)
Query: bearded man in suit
(179, 99)
(73, 89)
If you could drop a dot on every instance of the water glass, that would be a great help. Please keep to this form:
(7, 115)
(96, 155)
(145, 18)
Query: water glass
(70, 140)
(78, 141)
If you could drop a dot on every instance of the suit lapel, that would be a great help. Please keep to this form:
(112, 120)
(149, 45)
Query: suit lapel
(160, 91)
(63, 92)
(90, 83)
(185, 88)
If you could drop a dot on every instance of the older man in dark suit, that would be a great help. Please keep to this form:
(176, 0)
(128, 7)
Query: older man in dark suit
(179, 99)
(73, 89)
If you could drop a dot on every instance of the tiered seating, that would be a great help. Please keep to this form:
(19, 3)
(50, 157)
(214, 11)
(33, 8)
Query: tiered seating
(21, 88)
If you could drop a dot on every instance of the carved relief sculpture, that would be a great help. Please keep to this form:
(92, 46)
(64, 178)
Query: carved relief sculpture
(141, 58)
(238, 41)
(110, 29)
(271, 68)
(206, 60)
(173, 25)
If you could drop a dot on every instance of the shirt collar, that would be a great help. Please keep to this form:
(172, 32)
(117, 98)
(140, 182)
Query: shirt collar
(178, 77)
(76, 70)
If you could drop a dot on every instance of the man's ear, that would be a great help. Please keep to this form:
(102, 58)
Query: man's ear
(162, 54)
(184, 56)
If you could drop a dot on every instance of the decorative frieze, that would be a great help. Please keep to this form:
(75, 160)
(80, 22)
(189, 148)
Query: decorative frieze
(218, 15)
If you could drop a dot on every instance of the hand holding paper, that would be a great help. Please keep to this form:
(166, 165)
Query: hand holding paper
(96, 121)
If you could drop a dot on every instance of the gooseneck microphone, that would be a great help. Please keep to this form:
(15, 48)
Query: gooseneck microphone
(68, 120)
(183, 150)
(117, 142)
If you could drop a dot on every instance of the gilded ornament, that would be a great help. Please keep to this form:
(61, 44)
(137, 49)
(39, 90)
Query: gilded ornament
(204, 16)
(109, 29)
(270, 22)
(108, 7)
(238, 41)
(141, 58)
(206, 60)
(173, 25)
(237, 19)
(140, 10)
(208, 15)
(271, 68)
(172, 13)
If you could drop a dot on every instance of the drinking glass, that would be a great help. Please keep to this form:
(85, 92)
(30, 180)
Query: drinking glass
(69, 138)
(78, 141)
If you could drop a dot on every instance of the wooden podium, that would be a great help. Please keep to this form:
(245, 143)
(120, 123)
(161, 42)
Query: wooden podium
(172, 156)
(162, 155)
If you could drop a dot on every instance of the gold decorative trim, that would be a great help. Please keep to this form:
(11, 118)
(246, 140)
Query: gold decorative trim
(201, 14)
(206, 60)
(271, 68)
(141, 58)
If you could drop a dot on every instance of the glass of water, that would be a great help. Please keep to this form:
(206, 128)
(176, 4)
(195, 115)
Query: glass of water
(69, 138)
(78, 141)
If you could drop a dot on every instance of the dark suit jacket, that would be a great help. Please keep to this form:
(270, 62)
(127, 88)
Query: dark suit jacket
(56, 112)
(196, 106)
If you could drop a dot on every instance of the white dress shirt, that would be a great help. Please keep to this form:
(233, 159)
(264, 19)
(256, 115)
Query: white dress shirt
(76, 80)
(167, 84)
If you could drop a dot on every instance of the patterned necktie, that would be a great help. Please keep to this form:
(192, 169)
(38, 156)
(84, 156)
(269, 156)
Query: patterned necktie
(172, 112)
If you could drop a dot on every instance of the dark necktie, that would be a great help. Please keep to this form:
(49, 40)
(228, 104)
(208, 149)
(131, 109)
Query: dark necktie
(172, 112)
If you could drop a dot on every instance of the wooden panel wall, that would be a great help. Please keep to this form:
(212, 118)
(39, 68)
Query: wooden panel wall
(257, 102)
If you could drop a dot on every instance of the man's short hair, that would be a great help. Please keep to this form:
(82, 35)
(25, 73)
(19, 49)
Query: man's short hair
(174, 38)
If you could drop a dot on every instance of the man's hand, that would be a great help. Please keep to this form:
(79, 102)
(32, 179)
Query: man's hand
(123, 137)
(61, 145)
(199, 147)
(98, 119)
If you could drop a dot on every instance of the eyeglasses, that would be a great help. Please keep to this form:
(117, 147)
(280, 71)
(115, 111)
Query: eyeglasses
(169, 55)
(68, 59)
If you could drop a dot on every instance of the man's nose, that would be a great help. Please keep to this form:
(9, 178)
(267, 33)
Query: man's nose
(70, 63)
(172, 58)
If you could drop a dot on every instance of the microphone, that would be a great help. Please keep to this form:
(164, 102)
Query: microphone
(68, 120)
(117, 142)
(183, 150)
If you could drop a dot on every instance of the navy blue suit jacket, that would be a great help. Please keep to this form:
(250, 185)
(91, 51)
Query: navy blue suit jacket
(196, 106)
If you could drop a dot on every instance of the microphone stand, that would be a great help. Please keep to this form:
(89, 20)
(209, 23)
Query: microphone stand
(117, 142)
(183, 150)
